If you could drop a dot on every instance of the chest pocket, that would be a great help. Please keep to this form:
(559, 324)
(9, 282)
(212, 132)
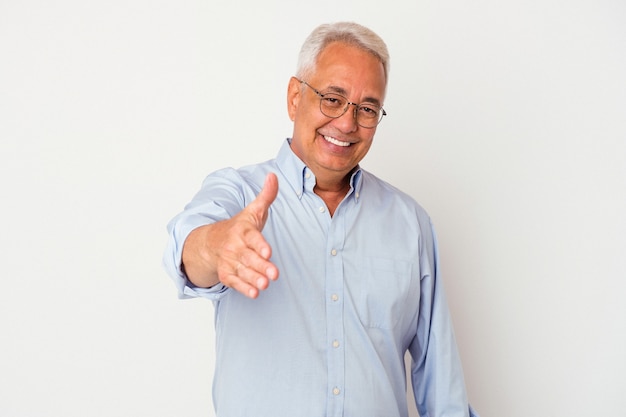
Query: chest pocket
(380, 293)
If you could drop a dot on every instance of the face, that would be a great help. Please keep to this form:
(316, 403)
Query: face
(331, 148)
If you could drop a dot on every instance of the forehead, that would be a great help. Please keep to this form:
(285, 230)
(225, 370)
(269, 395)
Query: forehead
(349, 70)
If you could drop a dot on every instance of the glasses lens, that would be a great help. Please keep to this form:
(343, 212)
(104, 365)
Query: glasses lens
(368, 115)
(333, 105)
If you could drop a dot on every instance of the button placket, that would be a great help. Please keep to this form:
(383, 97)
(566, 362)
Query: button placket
(334, 313)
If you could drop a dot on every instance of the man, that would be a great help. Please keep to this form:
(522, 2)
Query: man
(357, 260)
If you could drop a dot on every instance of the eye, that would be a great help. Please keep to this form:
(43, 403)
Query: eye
(368, 110)
(333, 101)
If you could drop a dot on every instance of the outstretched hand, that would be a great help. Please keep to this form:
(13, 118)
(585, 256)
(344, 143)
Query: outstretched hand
(233, 251)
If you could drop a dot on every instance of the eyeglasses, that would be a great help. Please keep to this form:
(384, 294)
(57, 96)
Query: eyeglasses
(334, 105)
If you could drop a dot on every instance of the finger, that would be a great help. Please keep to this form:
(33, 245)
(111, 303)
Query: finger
(252, 277)
(258, 210)
(246, 280)
(260, 253)
(269, 191)
(241, 286)
(255, 260)
(261, 204)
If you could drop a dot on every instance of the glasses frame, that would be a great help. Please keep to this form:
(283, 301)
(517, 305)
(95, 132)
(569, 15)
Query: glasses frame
(357, 106)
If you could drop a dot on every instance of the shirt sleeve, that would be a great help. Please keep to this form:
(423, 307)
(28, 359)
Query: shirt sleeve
(436, 371)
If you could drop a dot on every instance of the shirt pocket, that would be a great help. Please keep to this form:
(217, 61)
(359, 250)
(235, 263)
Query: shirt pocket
(381, 291)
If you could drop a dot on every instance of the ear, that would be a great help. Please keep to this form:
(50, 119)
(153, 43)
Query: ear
(293, 97)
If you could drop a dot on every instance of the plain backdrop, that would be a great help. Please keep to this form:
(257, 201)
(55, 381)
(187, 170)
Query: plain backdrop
(507, 122)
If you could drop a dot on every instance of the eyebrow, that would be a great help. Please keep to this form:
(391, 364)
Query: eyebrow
(343, 92)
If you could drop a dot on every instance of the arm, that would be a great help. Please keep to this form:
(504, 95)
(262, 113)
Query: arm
(436, 370)
(233, 251)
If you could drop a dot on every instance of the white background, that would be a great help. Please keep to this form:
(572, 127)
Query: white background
(506, 121)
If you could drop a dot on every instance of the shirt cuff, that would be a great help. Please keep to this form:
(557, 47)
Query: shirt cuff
(188, 290)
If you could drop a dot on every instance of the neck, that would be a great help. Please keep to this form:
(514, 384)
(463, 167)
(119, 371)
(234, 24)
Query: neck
(332, 192)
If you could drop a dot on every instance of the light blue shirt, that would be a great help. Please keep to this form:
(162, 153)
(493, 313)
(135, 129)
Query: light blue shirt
(356, 291)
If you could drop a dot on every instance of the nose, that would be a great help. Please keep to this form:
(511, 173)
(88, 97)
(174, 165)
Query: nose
(347, 122)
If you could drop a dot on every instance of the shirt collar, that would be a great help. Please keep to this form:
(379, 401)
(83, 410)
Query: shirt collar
(302, 179)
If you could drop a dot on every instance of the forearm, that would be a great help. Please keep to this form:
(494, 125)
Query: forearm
(197, 263)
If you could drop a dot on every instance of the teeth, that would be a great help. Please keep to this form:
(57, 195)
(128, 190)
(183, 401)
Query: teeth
(336, 142)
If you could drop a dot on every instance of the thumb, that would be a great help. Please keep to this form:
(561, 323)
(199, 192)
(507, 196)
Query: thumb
(266, 197)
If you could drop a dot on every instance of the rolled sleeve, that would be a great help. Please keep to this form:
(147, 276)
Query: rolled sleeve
(178, 230)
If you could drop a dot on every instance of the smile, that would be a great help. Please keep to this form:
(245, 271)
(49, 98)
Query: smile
(335, 141)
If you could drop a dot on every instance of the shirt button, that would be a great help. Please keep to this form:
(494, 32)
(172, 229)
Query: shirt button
(307, 175)
(335, 343)
(333, 252)
(334, 297)
(322, 209)
(336, 391)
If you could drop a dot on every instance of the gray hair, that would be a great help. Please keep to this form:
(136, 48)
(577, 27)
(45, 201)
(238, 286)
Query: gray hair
(346, 32)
